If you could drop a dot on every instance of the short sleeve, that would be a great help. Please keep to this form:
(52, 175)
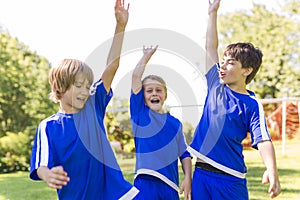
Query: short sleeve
(102, 98)
(258, 127)
(212, 76)
(137, 103)
(41, 155)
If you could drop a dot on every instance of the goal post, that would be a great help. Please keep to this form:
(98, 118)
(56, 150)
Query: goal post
(283, 102)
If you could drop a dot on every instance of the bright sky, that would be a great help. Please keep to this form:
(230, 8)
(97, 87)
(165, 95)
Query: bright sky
(73, 28)
(60, 29)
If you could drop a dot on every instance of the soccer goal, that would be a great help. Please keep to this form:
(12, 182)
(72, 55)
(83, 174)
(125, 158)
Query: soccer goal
(282, 115)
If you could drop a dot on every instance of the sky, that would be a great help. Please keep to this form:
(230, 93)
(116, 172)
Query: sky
(80, 29)
(73, 28)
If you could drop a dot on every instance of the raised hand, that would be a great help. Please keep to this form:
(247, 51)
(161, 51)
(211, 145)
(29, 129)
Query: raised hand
(213, 6)
(149, 51)
(138, 71)
(121, 13)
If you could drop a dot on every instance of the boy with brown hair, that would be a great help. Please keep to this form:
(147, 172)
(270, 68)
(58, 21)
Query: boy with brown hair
(230, 112)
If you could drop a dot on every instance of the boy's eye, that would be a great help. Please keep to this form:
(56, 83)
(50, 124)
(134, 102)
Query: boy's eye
(149, 90)
(231, 62)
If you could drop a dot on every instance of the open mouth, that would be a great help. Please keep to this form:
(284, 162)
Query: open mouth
(222, 74)
(81, 99)
(154, 101)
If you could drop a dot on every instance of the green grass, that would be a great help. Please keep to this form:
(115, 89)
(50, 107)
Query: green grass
(18, 186)
(288, 169)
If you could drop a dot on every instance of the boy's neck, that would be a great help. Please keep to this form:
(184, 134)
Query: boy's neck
(238, 89)
(62, 110)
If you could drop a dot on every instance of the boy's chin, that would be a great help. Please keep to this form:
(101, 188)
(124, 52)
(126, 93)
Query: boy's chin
(78, 107)
(156, 108)
(222, 82)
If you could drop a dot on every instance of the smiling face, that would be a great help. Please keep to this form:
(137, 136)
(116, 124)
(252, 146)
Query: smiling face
(63, 77)
(74, 99)
(155, 94)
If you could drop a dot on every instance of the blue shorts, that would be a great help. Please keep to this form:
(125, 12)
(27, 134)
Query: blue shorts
(153, 188)
(212, 186)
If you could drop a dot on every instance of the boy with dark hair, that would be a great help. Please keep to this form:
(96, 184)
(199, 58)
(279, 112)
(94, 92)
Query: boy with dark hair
(230, 112)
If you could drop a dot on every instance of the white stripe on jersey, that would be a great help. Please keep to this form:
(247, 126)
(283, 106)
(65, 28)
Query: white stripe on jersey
(42, 144)
(94, 88)
(157, 175)
(262, 121)
(216, 165)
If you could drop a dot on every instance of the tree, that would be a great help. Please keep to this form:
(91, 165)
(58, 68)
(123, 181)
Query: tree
(118, 125)
(24, 86)
(292, 8)
(278, 36)
(24, 99)
(188, 131)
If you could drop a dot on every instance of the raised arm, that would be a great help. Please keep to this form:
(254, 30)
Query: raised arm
(211, 45)
(113, 59)
(136, 84)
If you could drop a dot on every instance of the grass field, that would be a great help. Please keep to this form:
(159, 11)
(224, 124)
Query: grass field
(17, 186)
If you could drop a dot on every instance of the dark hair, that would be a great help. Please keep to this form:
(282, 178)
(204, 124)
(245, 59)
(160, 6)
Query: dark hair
(247, 54)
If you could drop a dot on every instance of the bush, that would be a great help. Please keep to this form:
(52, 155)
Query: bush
(14, 155)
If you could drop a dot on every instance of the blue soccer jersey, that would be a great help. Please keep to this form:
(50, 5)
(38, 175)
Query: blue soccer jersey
(227, 118)
(159, 141)
(78, 142)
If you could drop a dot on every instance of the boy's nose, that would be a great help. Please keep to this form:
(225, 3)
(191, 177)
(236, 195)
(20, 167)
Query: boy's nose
(223, 66)
(86, 91)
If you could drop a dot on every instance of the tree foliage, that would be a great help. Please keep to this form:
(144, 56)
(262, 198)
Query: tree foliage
(24, 79)
(24, 98)
(118, 125)
(277, 35)
(188, 131)
(14, 152)
(292, 8)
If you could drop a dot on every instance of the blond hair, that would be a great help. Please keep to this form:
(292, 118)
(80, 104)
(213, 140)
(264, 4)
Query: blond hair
(63, 76)
(156, 78)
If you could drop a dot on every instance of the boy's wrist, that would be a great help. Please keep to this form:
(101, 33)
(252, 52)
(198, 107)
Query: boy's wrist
(215, 12)
(121, 25)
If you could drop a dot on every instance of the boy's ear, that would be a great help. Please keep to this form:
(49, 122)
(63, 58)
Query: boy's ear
(248, 71)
